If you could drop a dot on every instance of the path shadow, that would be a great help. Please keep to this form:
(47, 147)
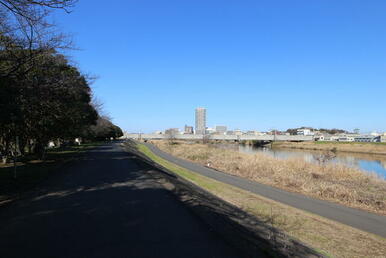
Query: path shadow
(105, 205)
(255, 237)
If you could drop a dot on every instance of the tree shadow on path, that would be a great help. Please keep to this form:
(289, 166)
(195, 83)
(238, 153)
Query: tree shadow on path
(105, 205)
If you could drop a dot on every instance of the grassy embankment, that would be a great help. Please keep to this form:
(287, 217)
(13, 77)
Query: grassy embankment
(30, 171)
(354, 147)
(333, 182)
(329, 237)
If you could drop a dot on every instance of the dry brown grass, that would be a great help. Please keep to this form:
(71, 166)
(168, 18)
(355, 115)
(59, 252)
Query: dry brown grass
(333, 182)
(330, 238)
(353, 147)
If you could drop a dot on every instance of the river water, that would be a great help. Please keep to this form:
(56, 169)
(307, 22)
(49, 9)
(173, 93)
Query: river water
(367, 162)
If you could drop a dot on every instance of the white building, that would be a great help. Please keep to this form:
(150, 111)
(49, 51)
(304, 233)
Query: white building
(366, 138)
(346, 138)
(374, 133)
(331, 138)
(200, 120)
(304, 131)
(210, 131)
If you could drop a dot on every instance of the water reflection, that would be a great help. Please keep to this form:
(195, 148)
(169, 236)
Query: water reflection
(366, 162)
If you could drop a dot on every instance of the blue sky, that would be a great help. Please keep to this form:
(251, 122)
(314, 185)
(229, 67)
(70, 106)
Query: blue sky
(253, 64)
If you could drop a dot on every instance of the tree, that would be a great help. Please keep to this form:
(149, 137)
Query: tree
(23, 26)
(42, 96)
(104, 129)
(51, 101)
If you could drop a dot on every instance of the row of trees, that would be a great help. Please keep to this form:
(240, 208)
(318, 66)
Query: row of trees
(293, 131)
(103, 129)
(43, 97)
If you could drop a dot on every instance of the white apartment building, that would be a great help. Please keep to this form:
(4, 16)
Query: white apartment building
(200, 120)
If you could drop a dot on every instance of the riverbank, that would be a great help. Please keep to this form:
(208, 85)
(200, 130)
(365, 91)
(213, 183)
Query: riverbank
(333, 182)
(326, 236)
(353, 147)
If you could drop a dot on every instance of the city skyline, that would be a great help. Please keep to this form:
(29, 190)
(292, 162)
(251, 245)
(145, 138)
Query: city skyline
(201, 127)
(253, 65)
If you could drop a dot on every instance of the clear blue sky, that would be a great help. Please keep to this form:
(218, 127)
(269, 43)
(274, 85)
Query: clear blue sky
(252, 64)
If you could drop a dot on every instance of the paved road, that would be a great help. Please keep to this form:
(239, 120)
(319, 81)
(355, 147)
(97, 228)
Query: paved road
(362, 220)
(106, 205)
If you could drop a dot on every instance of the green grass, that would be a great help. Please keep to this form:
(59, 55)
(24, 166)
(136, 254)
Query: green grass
(30, 171)
(328, 237)
(172, 167)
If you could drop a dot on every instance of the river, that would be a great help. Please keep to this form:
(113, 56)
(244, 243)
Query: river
(367, 162)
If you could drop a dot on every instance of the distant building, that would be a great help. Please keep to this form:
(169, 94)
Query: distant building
(209, 131)
(221, 129)
(327, 137)
(230, 133)
(374, 134)
(346, 138)
(200, 120)
(367, 138)
(274, 132)
(188, 129)
(380, 138)
(253, 133)
(172, 131)
(238, 132)
(304, 131)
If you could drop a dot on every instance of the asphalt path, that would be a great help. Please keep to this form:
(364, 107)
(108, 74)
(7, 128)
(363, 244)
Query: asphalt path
(359, 219)
(108, 204)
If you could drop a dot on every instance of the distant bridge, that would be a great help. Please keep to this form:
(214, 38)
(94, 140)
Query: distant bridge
(264, 138)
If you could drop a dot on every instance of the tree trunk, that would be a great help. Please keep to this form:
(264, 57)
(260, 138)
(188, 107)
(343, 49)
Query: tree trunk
(40, 149)
(22, 145)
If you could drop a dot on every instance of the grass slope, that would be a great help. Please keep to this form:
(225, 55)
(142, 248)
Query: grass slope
(329, 237)
(327, 181)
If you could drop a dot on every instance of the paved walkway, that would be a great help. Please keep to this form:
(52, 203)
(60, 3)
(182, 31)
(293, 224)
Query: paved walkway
(359, 219)
(106, 205)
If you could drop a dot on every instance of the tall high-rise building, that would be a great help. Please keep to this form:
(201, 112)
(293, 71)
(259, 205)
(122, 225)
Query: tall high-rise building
(200, 120)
